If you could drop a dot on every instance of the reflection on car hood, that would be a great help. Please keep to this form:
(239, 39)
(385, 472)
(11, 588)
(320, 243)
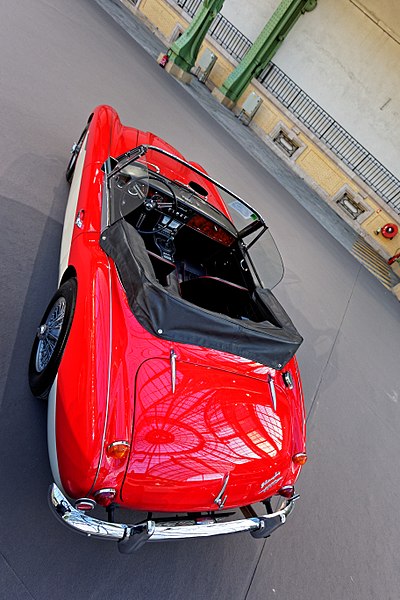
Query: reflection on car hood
(216, 430)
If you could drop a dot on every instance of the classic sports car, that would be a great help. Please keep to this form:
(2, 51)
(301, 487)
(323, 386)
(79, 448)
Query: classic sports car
(167, 362)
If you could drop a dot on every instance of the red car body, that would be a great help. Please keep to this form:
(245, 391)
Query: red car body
(222, 435)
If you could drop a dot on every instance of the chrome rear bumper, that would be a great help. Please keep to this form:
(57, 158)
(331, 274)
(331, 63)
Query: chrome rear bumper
(131, 537)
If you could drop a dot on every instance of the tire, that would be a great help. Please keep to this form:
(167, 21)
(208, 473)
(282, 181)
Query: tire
(50, 340)
(76, 148)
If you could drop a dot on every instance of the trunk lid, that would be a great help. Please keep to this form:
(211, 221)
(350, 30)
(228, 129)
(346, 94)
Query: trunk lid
(203, 436)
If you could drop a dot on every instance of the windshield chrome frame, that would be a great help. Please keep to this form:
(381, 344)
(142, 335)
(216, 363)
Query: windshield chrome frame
(244, 232)
(112, 166)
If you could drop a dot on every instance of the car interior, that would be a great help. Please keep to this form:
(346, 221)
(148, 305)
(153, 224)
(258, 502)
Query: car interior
(192, 247)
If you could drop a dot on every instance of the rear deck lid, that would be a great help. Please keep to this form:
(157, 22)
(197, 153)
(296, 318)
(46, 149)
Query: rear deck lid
(202, 430)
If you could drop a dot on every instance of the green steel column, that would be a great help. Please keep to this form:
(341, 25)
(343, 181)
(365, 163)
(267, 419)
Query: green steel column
(185, 49)
(265, 46)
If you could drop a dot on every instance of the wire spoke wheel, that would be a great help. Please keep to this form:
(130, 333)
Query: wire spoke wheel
(51, 338)
(49, 333)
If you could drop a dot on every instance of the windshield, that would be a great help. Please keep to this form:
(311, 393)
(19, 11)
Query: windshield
(153, 178)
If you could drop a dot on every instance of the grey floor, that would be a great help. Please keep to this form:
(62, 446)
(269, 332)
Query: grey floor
(60, 58)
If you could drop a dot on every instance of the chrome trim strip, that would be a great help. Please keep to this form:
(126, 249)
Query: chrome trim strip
(172, 358)
(272, 390)
(88, 501)
(103, 439)
(261, 526)
(105, 205)
(118, 443)
(102, 490)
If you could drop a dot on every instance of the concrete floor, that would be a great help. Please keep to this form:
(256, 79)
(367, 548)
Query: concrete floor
(59, 59)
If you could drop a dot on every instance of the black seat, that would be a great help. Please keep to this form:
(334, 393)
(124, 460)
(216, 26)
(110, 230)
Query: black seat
(220, 296)
(165, 271)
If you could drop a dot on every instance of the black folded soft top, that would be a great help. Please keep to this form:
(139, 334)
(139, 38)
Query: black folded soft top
(165, 314)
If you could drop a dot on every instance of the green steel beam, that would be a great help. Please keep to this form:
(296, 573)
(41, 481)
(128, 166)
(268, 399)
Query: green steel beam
(185, 49)
(265, 46)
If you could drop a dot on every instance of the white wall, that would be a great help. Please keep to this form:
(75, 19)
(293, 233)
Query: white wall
(249, 16)
(346, 62)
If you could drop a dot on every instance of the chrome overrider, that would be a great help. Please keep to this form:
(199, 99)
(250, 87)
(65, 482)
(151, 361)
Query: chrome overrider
(131, 537)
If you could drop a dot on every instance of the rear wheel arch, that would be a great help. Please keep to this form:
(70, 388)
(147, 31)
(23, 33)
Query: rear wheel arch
(69, 273)
(51, 338)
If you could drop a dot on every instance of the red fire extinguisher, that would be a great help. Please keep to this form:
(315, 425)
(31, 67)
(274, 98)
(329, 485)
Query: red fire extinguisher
(393, 258)
(163, 61)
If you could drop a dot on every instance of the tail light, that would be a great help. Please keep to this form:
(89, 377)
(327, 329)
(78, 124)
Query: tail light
(105, 496)
(119, 449)
(85, 504)
(287, 491)
(300, 458)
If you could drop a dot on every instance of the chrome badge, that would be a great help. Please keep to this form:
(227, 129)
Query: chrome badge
(268, 483)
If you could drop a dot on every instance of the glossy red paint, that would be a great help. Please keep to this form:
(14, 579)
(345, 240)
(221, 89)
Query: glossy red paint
(216, 423)
(83, 374)
(219, 420)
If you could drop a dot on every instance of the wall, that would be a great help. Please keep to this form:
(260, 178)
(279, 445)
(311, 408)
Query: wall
(250, 16)
(312, 161)
(321, 169)
(346, 55)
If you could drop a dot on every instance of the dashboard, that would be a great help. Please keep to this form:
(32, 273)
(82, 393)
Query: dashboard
(170, 207)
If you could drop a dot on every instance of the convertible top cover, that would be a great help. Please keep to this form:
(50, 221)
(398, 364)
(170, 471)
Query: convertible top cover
(163, 313)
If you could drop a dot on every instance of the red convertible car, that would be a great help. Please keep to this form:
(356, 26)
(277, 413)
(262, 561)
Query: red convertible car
(168, 364)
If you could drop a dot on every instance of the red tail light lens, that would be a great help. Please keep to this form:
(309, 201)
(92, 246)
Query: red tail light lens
(85, 504)
(287, 491)
(300, 458)
(105, 496)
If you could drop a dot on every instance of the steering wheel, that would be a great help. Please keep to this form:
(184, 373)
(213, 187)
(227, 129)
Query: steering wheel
(156, 201)
(167, 207)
